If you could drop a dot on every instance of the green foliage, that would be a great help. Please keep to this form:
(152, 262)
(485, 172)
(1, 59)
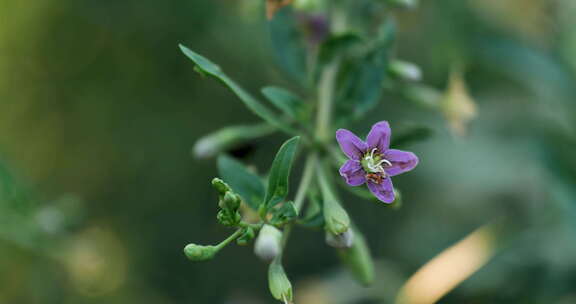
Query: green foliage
(288, 43)
(286, 101)
(278, 178)
(247, 184)
(206, 67)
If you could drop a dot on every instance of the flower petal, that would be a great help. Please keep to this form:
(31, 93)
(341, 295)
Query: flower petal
(402, 161)
(353, 173)
(379, 136)
(350, 144)
(383, 191)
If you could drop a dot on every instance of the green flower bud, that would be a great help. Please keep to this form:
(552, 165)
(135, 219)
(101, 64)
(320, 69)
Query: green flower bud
(199, 252)
(336, 218)
(228, 218)
(220, 186)
(246, 237)
(404, 70)
(358, 260)
(278, 282)
(342, 240)
(269, 243)
(231, 201)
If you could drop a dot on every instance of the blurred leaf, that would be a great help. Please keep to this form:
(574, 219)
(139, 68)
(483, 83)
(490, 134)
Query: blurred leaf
(288, 42)
(361, 77)
(206, 67)
(280, 172)
(286, 101)
(422, 95)
(358, 260)
(247, 184)
(458, 106)
(338, 45)
(410, 134)
(228, 137)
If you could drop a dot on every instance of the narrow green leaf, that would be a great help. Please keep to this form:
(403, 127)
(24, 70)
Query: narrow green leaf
(207, 67)
(285, 100)
(245, 183)
(280, 172)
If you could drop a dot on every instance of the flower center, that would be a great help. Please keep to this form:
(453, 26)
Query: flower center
(373, 163)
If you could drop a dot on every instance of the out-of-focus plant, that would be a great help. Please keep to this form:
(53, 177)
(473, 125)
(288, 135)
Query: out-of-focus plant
(340, 55)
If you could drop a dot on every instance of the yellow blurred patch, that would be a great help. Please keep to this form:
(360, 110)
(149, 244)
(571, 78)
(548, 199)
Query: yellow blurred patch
(458, 106)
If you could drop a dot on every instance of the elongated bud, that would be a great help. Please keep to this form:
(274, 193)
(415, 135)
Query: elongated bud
(221, 140)
(405, 70)
(198, 253)
(336, 218)
(358, 260)
(342, 240)
(268, 244)
(280, 286)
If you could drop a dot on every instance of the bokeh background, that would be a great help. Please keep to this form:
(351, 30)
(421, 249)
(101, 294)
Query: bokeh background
(99, 190)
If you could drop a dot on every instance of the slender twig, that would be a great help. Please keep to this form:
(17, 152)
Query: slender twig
(229, 239)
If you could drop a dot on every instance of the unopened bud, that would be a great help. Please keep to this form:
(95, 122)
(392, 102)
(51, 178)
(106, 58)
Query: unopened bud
(220, 186)
(280, 286)
(231, 201)
(336, 218)
(342, 240)
(196, 252)
(405, 70)
(246, 237)
(229, 218)
(268, 244)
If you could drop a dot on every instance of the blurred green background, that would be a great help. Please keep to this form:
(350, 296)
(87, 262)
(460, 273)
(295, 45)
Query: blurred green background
(99, 191)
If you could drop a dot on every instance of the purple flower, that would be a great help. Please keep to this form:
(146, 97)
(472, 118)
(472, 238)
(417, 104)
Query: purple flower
(372, 162)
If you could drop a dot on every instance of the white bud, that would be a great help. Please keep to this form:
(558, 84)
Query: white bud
(342, 240)
(268, 243)
(406, 70)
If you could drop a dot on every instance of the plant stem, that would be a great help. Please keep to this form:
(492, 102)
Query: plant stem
(305, 181)
(325, 100)
(229, 239)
